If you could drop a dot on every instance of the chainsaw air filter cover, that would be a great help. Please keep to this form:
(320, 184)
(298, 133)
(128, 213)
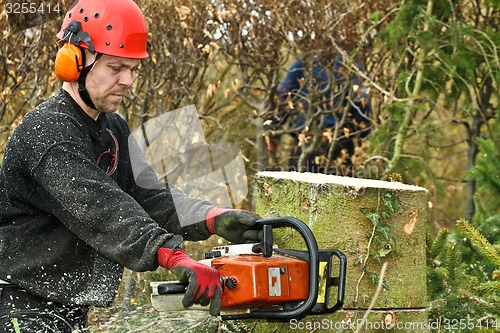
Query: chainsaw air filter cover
(252, 281)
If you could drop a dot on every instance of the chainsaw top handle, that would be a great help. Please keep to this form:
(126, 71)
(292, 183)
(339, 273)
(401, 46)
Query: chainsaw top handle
(312, 248)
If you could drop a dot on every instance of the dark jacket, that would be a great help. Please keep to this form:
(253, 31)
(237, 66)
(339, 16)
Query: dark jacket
(67, 228)
(293, 84)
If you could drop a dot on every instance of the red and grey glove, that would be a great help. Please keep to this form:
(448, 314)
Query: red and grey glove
(235, 225)
(204, 282)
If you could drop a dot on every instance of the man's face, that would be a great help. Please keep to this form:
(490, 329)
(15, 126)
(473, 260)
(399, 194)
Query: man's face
(108, 81)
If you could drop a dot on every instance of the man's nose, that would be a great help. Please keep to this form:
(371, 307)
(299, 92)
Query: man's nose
(126, 78)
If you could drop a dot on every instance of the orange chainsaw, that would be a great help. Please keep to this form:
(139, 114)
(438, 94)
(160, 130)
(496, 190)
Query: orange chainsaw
(262, 281)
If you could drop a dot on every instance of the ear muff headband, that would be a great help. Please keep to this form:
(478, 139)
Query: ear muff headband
(69, 62)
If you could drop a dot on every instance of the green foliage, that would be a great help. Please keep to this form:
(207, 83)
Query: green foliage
(479, 241)
(485, 173)
(492, 287)
(455, 292)
(404, 24)
(475, 283)
(446, 55)
(487, 217)
(391, 202)
(464, 266)
(380, 242)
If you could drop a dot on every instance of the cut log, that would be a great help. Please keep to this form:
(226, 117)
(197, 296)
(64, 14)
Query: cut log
(371, 222)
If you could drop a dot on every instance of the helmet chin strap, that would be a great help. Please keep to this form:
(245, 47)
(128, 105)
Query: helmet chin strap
(82, 89)
(74, 34)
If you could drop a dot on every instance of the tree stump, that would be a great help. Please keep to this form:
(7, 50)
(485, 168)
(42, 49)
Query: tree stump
(371, 222)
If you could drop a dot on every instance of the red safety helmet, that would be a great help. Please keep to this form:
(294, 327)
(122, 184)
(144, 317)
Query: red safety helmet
(115, 27)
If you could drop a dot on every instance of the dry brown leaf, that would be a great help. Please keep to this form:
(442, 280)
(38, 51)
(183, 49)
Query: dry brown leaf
(410, 225)
(268, 190)
(329, 135)
(183, 12)
(347, 132)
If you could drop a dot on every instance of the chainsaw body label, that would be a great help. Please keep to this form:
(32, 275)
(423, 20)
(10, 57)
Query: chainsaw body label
(274, 280)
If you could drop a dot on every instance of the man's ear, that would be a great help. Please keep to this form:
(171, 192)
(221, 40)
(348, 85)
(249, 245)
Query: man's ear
(90, 58)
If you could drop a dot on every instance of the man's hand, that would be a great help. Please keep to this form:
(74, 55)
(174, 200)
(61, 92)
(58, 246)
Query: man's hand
(272, 148)
(235, 225)
(204, 282)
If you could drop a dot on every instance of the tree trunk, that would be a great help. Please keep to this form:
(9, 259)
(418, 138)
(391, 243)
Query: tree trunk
(261, 145)
(341, 213)
(128, 292)
(474, 131)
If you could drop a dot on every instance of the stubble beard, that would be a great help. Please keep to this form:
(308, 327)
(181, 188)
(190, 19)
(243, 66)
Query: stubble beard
(105, 105)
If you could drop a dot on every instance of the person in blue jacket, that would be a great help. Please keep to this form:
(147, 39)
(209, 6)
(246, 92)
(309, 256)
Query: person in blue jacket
(333, 93)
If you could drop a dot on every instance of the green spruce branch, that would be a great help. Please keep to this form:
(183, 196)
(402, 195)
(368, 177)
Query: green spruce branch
(439, 243)
(490, 287)
(480, 242)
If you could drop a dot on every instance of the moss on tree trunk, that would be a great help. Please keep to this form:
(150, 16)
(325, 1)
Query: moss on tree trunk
(372, 222)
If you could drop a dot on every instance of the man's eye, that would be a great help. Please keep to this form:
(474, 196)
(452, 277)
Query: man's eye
(115, 69)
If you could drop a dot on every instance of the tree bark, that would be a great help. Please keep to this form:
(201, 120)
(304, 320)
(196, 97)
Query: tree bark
(336, 209)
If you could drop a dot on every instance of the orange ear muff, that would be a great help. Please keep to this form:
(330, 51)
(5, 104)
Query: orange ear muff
(69, 62)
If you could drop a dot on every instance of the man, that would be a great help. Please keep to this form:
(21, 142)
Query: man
(302, 94)
(71, 214)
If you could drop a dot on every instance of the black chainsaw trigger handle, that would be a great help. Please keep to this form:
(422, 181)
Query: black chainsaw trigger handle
(307, 305)
(266, 244)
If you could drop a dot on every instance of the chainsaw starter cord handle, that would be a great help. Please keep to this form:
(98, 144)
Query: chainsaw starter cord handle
(204, 284)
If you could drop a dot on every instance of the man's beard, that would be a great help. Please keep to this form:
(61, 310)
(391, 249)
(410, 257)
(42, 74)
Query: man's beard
(103, 104)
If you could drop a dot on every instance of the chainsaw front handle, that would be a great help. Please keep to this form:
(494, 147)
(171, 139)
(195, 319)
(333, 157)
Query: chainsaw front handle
(323, 302)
